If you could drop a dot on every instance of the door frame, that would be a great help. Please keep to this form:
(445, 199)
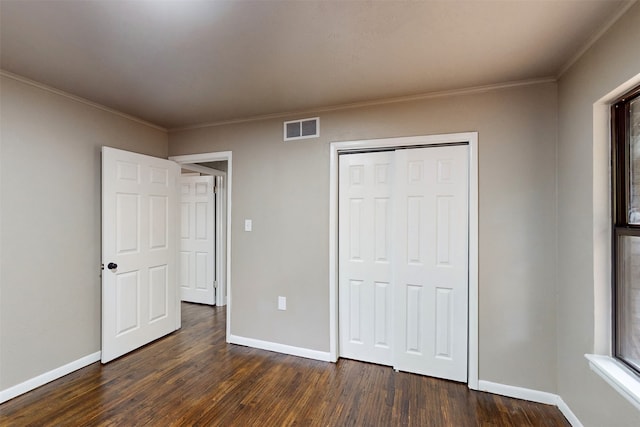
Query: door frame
(190, 159)
(471, 138)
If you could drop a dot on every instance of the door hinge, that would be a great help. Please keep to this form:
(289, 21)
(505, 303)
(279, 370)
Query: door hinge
(215, 284)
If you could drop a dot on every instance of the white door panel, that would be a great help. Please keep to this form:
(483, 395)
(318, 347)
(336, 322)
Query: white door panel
(197, 239)
(431, 268)
(139, 301)
(364, 247)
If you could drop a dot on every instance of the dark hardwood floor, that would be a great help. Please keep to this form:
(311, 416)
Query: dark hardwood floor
(193, 378)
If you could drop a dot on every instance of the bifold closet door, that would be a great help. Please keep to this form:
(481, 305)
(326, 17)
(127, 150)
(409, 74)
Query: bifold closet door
(364, 246)
(431, 261)
(403, 259)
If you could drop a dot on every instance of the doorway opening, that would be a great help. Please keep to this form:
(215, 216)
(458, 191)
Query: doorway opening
(201, 256)
(469, 139)
(217, 164)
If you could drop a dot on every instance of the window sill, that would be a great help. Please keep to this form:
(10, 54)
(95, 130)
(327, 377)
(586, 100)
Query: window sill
(618, 376)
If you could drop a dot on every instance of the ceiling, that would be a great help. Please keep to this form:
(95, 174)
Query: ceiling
(183, 63)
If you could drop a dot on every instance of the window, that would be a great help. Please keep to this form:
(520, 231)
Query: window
(626, 228)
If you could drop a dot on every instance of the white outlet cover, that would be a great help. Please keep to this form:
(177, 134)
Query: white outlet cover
(282, 303)
(248, 225)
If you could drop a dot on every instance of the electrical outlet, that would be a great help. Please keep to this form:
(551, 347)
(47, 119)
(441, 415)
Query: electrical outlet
(282, 303)
(248, 225)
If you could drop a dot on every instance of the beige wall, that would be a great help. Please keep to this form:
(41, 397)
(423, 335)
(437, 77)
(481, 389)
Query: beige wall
(613, 60)
(50, 225)
(284, 188)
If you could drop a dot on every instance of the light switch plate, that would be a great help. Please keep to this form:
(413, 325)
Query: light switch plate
(282, 303)
(248, 225)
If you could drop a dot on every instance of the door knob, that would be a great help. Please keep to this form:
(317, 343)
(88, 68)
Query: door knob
(112, 266)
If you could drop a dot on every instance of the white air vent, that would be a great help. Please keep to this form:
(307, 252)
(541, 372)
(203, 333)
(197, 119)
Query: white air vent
(302, 129)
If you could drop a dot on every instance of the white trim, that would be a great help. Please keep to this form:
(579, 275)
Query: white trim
(596, 36)
(85, 101)
(472, 139)
(409, 98)
(221, 231)
(202, 157)
(568, 413)
(280, 348)
(47, 377)
(201, 169)
(518, 392)
(532, 396)
(620, 90)
(334, 333)
(601, 206)
(619, 377)
(213, 157)
(474, 315)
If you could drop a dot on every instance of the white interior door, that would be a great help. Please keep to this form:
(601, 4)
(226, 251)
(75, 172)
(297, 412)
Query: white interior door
(403, 259)
(431, 264)
(364, 246)
(139, 217)
(197, 260)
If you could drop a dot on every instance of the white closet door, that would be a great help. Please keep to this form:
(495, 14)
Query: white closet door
(403, 259)
(196, 254)
(365, 255)
(431, 263)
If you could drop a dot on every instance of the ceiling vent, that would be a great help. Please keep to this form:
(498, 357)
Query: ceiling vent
(302, 129)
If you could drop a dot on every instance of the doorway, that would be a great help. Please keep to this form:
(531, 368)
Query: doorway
(208, 163)
(201, 259)
(468, 139)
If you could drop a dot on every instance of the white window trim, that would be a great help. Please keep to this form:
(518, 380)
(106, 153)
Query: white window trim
(618, 376)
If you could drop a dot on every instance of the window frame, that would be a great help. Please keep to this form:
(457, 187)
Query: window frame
(620, 226)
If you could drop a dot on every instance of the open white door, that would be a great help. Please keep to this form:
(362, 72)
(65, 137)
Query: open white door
(139, 246)
(197, 239)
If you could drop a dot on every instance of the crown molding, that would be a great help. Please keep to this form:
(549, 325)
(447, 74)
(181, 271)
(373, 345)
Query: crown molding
(596, 36)
(372, 103)
(75, 98)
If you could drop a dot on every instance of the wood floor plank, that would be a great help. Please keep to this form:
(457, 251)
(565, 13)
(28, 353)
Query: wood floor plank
(194, 378)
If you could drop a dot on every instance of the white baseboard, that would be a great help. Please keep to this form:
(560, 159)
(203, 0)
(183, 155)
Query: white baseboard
(568, 414)
(518, 392)
(47, 377)
(324, 356)
(532, 396)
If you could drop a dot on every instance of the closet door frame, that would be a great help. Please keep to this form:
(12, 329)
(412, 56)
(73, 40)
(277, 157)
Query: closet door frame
(470, 138)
